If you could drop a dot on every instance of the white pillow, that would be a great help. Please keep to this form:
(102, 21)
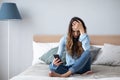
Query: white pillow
(99, 46)
(110, 55)
(39, 49)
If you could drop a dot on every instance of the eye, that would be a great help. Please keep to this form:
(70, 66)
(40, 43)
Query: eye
(78, 31)
(73, 31)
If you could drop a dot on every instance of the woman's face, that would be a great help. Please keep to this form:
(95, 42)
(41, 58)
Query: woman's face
(75, 30)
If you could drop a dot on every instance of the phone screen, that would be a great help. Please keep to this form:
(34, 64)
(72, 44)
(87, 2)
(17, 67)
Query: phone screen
(57, 56)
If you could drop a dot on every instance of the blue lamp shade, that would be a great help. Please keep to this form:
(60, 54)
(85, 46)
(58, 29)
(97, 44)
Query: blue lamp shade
(9, 11)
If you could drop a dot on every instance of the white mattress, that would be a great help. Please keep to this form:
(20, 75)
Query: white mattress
(40, 72)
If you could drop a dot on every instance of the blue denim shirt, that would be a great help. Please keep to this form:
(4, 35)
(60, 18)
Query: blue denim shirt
(62, 46)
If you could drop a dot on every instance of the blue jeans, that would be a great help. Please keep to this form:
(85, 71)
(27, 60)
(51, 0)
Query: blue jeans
(82, 65)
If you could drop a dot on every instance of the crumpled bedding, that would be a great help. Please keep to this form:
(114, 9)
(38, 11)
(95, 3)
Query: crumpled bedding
(40, 72)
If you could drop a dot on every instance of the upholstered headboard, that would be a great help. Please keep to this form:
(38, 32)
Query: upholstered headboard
(94, 39)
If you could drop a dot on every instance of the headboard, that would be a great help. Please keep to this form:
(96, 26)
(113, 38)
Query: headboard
(94, 39)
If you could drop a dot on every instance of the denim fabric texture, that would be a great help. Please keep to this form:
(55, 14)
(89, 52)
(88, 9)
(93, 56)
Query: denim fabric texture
(79, 65)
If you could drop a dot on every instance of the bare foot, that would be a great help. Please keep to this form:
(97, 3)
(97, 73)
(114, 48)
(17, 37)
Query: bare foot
(67, 74)
(88, 72)
(54, 74)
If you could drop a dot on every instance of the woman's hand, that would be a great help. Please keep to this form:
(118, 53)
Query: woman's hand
(77, 25)
(57, 62)
(80, 27)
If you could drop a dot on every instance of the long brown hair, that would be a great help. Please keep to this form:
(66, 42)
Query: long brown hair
(74, 48)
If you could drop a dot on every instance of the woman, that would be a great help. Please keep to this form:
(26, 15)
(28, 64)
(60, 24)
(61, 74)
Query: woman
(76, 44)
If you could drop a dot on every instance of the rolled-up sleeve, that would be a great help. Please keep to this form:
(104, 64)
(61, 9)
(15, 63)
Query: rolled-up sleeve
(84, 38)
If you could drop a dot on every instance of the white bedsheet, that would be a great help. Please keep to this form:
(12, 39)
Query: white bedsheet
(56, 78)
(40, 72)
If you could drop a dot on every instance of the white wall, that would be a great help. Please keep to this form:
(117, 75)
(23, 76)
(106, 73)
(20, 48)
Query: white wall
(52, 17)
(3, 52)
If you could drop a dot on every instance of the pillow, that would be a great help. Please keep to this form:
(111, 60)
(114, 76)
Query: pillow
(110, 55)
(94, 52)
(39, 49)
(48, 56)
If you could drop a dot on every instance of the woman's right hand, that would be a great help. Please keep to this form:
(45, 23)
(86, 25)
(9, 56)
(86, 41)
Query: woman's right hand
(57, 62)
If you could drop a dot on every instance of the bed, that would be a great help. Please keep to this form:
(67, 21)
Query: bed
(104, 67)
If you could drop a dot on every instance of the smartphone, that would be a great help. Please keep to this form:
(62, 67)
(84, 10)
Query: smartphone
(57, 56)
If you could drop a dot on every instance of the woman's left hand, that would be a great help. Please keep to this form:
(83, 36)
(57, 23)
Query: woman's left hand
(80, 27)
(77, 25)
